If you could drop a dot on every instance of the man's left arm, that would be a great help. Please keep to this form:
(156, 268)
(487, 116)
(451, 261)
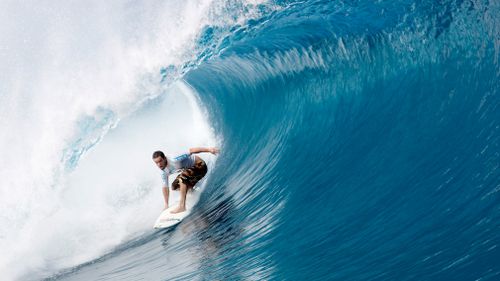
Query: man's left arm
(213, 150)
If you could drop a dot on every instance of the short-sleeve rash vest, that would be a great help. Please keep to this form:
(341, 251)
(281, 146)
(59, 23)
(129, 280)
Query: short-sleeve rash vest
(180, 162)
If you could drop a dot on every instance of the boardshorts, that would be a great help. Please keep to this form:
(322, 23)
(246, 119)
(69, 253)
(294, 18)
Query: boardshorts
(191, 176)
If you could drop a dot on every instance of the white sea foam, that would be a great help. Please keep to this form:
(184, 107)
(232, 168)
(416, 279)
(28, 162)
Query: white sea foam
(70, 72)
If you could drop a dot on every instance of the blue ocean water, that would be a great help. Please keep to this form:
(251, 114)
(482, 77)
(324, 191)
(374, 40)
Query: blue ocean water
(359, 141)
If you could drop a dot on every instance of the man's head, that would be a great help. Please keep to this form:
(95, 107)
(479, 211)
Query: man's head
(160, 159)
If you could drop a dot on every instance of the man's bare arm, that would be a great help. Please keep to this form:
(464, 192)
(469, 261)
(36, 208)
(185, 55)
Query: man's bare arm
(213, 150)
(165, 195)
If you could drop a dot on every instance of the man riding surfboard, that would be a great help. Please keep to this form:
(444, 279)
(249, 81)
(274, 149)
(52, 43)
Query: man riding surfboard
(192, 168)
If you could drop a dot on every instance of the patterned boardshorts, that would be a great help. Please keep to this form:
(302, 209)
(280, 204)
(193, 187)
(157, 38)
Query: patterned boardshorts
(191, 175)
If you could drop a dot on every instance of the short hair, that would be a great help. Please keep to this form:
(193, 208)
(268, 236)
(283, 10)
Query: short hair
(158, 153)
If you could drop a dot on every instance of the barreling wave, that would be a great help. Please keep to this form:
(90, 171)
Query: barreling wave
(359, 141)
(366, 135)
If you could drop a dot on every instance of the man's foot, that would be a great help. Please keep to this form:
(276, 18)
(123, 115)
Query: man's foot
(178, 210)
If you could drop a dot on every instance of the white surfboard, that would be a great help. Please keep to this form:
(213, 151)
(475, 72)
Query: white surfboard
(167, 219)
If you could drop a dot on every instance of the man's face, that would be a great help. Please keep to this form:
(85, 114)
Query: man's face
(160, 162)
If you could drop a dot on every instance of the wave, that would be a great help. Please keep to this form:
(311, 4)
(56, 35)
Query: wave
(359, 142)
(72, 74)
(366, 143)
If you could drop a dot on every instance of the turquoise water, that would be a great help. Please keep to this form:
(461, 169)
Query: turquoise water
(359, 141)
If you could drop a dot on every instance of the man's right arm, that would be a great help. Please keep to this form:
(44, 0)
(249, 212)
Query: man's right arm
(165, 195)
(164, 188)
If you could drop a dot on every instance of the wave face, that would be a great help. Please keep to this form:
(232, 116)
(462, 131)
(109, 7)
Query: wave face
(360, 141)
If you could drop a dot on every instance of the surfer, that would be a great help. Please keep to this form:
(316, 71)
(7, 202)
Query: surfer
(192, 168)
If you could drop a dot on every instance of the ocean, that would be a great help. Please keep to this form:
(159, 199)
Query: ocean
(359, 140)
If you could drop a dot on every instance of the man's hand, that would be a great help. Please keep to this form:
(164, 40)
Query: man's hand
(214, 150)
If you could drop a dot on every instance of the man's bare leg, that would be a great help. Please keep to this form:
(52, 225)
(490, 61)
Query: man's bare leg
(182, 203)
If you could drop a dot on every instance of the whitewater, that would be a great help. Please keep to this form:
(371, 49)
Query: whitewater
(359, 139)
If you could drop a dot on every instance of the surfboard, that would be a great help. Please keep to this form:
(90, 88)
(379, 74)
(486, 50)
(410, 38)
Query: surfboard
(167, 219)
